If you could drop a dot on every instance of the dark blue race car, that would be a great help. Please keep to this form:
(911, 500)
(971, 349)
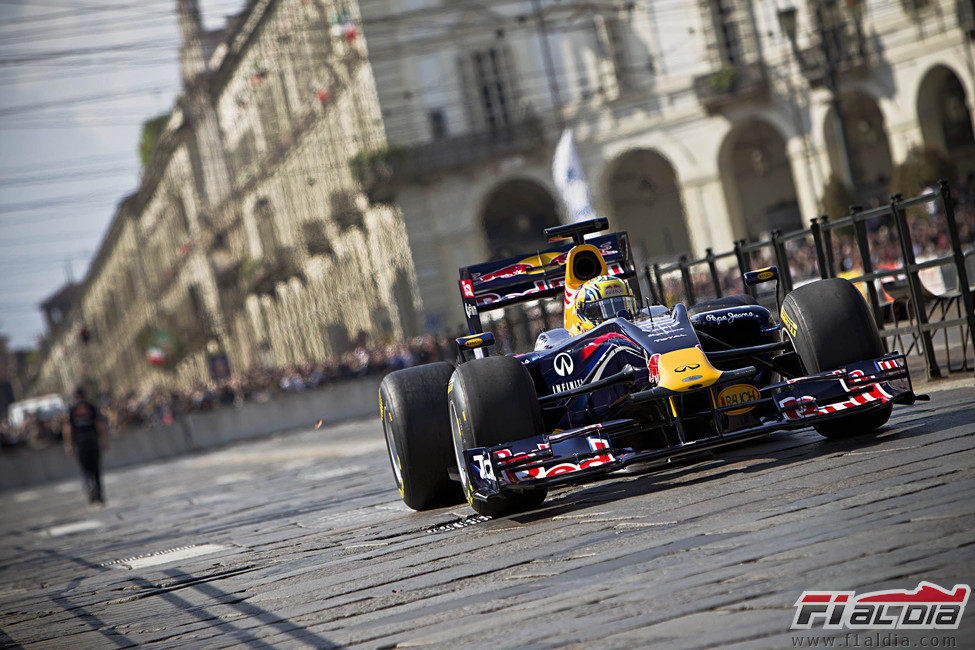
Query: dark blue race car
(645, 385)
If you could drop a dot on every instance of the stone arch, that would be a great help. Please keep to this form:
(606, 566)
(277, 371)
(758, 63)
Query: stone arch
(869, 146)
(514, 213)
(756, 175)
(645, 199)
(944, 116)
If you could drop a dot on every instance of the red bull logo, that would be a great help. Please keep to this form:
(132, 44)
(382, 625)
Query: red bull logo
(540, 264)
(509, 271)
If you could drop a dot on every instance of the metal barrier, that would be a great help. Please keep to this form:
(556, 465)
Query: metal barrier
(901, 294)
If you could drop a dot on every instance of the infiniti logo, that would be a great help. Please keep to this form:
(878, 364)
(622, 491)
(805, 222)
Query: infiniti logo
(693, 366)
(563, 364)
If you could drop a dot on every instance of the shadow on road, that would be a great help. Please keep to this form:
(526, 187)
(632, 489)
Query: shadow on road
(200, 584)
(232, 630)
(781, 450)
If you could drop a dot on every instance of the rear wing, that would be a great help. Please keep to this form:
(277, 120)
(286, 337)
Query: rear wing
(501, 283)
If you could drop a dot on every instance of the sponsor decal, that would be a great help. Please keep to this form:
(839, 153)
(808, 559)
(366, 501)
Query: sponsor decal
(660, 324)
(661, 339)
(561, 388)
(789, 324)
(928, 607)
(653, 365)
(853, 375)
(889, 364)
(467, 288)
(691, 366)
(598, 341)
(730, 317)
(738, 394)
(470, 310)
(595, 444)
(519, 268)
(614, 290)
(563, 364)
(539, 286)
(485, 468)
(473, 343)
(805, 406)
(765, 275)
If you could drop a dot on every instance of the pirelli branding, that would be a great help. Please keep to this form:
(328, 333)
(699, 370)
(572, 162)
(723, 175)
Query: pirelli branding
(788, 323)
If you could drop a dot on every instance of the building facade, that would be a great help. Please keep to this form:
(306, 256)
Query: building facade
(332, 163)
(249, 235)
(698, 122)
(308, 263)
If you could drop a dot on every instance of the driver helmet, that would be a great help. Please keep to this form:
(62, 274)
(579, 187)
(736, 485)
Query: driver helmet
(602, 298)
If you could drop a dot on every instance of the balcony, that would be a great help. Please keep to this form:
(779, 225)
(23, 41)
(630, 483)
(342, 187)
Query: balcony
(423, 161)
(316, 239)
(379, 171)
(262, 275)
(345, 210)
(851, 60)
(730, 85)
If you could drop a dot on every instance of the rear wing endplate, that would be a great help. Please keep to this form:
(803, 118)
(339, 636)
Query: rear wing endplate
(501, 283)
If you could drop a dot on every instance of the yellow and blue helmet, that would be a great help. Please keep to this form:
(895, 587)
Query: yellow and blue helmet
(600, 299)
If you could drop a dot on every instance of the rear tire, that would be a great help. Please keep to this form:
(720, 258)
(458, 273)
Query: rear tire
(833, 327)
(493, 401)
(414, 412)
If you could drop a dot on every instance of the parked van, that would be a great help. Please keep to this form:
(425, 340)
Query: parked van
(46, 406)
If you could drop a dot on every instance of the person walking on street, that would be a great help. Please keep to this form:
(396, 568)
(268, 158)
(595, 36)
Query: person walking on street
(83, 438)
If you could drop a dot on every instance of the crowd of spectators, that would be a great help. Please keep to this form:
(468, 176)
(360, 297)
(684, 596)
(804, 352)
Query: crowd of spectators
(929, 234)
(161, 406)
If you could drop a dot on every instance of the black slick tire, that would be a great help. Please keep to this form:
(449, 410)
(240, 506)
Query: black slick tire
(830, 325)
(414, 413)
(493, 401)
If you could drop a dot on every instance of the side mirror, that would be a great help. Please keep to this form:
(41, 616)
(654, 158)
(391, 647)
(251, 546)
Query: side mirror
(768, 274)
(475, 342)
(760, 276)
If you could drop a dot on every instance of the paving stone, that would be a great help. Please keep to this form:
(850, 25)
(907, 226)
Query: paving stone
(696, 555)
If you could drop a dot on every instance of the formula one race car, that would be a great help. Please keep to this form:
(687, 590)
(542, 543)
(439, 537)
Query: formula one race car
(621, 384)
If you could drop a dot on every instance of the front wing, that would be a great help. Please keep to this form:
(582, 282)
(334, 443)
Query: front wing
(573, 455)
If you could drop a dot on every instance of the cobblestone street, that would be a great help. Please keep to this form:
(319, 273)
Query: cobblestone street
(301, 540)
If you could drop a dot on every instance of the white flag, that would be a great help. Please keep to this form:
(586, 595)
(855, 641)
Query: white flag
(571, 180)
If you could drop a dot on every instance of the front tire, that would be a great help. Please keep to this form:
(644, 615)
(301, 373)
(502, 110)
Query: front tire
(493, 401)
(831, 326)
(413, 408)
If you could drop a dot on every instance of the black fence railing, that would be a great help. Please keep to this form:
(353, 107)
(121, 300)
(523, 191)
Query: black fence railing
(875, 249)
